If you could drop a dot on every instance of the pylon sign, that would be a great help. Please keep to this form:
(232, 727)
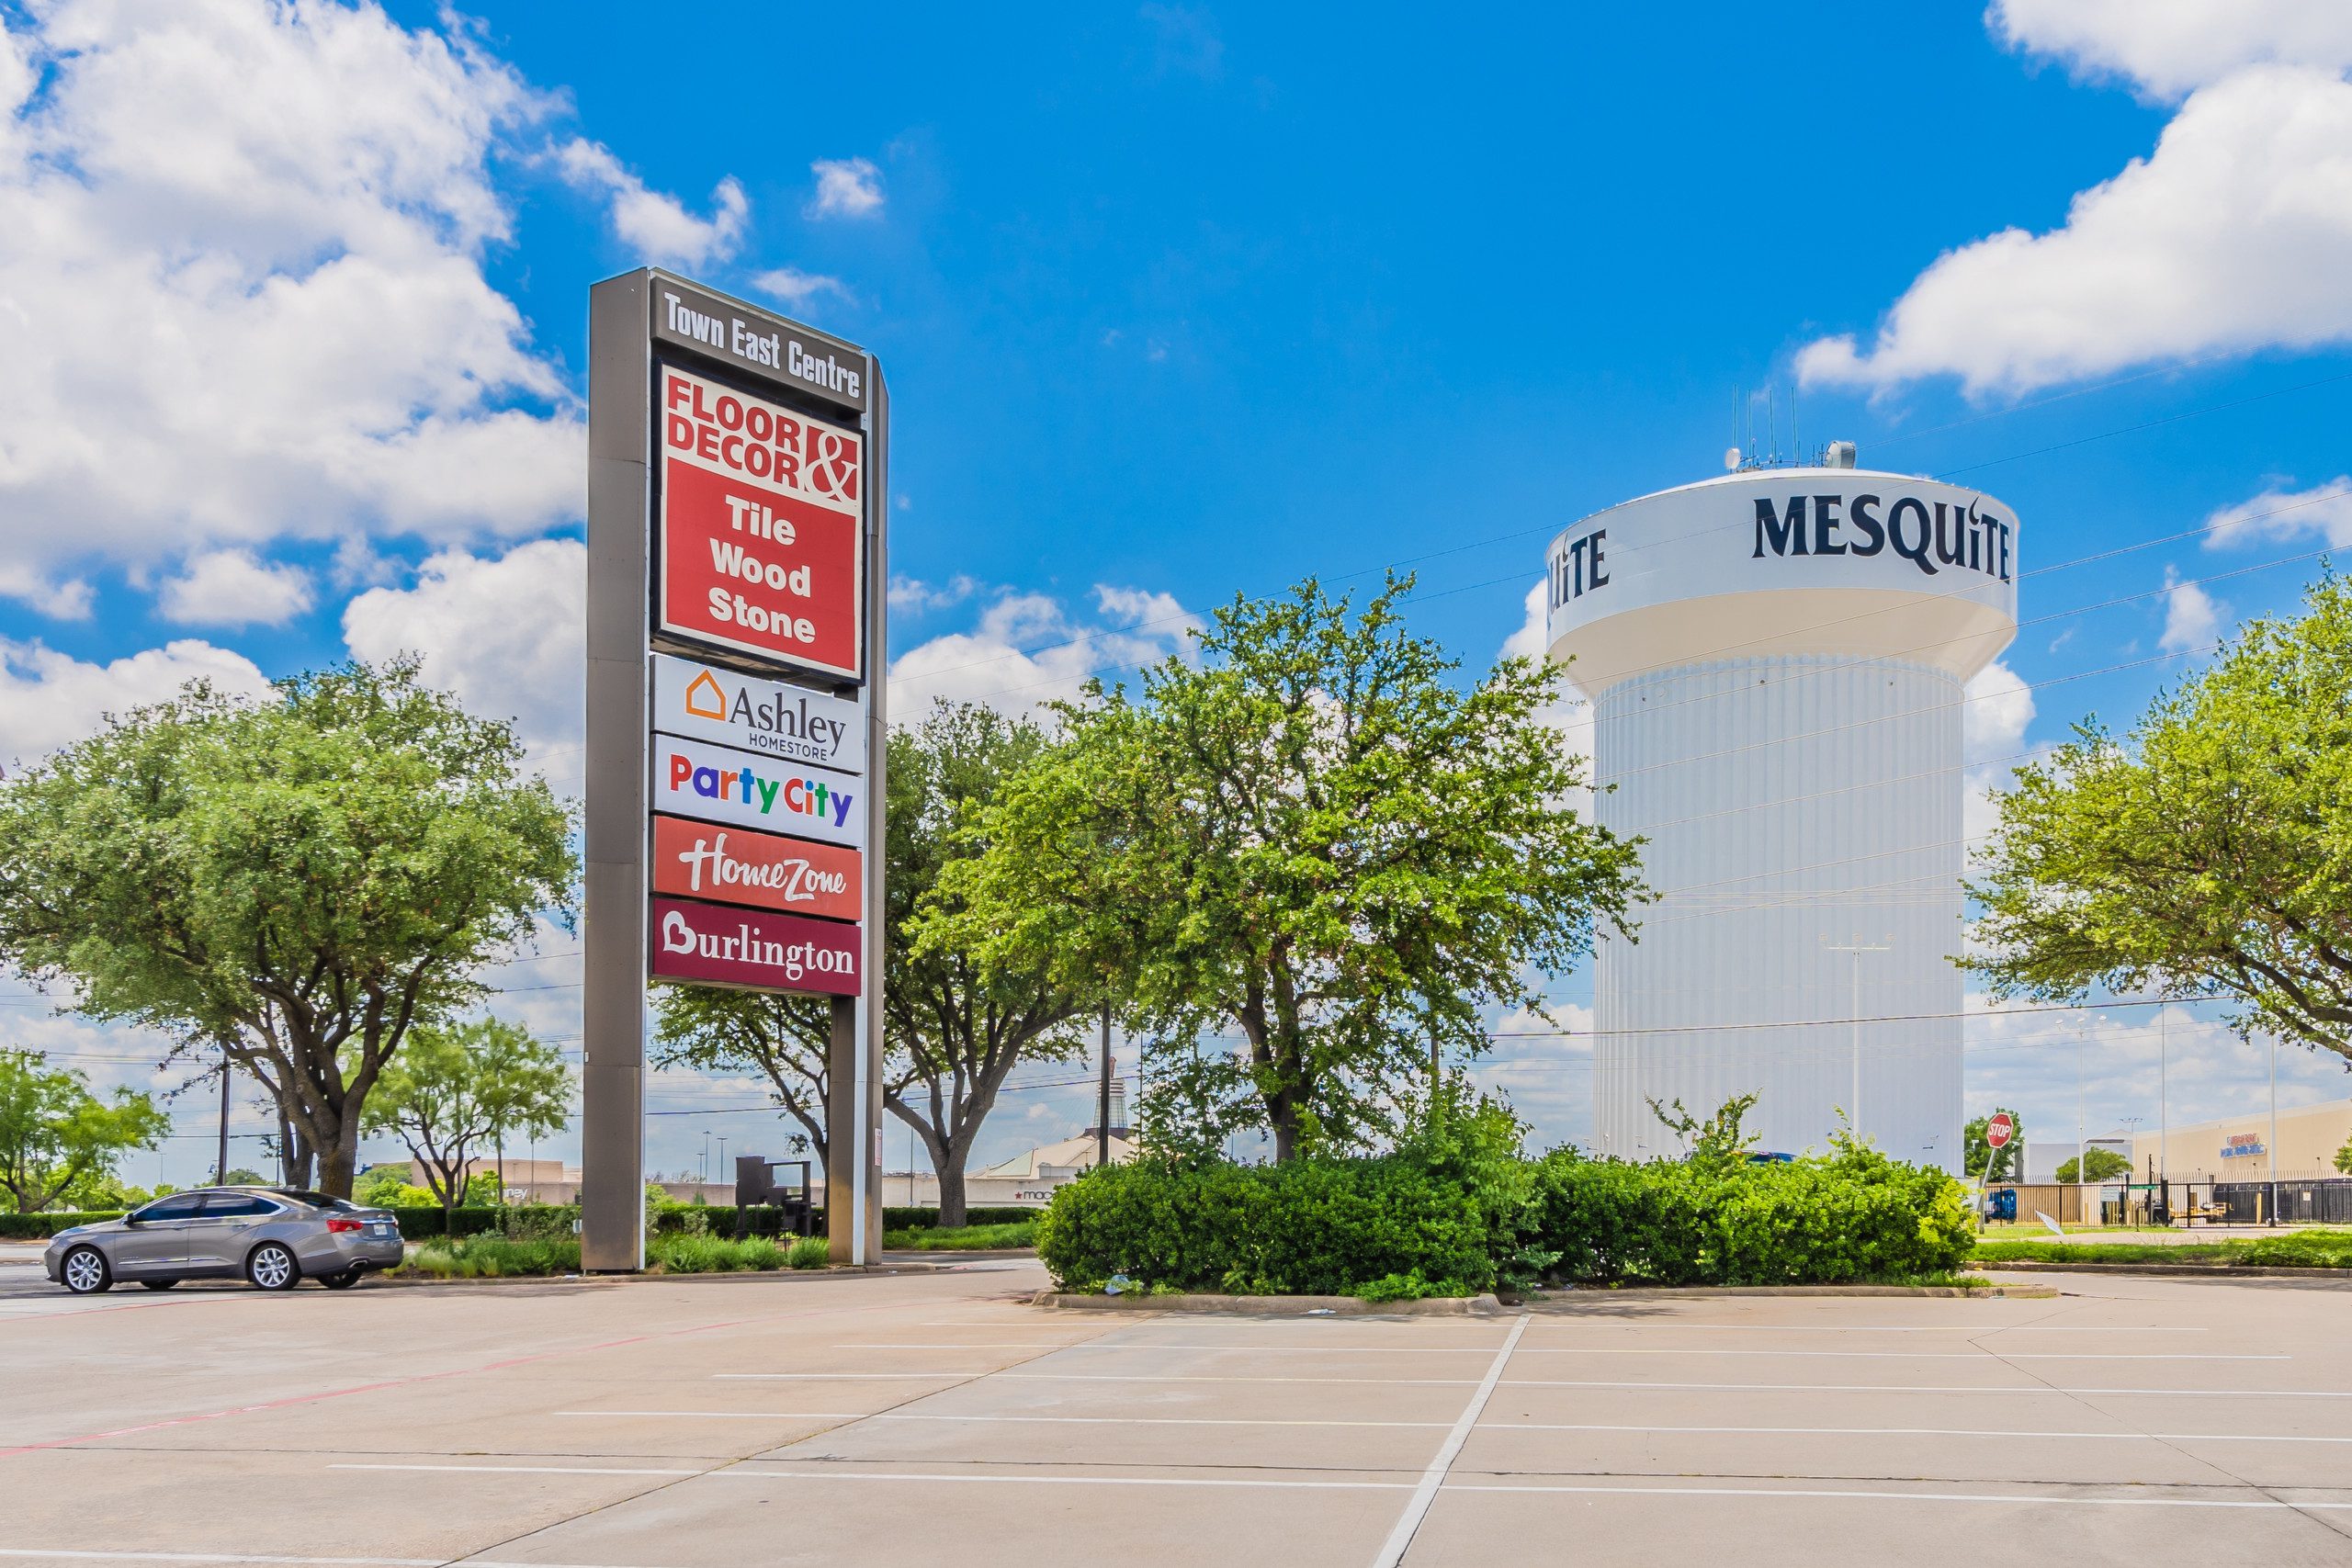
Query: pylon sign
(734, 790)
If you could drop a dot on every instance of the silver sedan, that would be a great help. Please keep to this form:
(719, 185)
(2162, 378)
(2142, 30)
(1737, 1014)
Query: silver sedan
(273, 1237)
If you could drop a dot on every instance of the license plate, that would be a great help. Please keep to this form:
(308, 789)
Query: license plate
(383, 1230)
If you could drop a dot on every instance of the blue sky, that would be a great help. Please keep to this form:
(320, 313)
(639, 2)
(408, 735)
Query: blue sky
(1175, 302)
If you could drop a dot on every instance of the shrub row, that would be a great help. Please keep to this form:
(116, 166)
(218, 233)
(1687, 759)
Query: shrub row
(39, 1227)
(1453, 1221)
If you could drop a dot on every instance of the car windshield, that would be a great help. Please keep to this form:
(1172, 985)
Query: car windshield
(315, 1200)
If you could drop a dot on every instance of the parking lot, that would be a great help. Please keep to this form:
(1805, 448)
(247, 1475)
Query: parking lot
(934, 1416)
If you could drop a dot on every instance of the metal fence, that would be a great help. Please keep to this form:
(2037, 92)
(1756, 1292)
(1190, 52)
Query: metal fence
(2297, 1202)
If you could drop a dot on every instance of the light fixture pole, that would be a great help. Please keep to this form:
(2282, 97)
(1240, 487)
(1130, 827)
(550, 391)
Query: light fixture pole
(1857, 948)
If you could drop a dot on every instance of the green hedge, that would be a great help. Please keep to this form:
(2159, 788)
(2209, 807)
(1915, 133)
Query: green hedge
(41, 1228)
(902, 1219)
(1309, 1227)
(1456, 1220)
(1855, 1216)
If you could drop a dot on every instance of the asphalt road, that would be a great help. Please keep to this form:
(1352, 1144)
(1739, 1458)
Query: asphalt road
(934, 1417)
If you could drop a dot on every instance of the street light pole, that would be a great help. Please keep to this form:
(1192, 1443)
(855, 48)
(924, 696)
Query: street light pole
(220, 1169)
(1103, 1095)
(2272, 1152)
(1857, 948)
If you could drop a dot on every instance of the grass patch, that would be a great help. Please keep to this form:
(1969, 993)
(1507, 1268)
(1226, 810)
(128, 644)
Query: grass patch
(493, 1256)
(2289, 1250)
(964, 1238)
(687, 1253)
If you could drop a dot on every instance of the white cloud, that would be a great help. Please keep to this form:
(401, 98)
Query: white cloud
(847, 187)
(1569, 713)
(2234, 235)
(240, 248)
(913, 596)
(49, 700)
(503, 634)
(656, 223)
(2192, 618)
(1995, 710)
(2322, 511)
(795, 289)
(2168, 47)
(230, 588)
(1027, 649)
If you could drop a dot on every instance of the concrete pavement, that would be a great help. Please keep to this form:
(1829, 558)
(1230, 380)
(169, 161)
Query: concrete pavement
(933, 1417)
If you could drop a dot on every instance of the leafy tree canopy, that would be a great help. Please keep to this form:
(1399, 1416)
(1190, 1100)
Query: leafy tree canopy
(2096, 1164)
(455, 1091)
(2208, 853)
(54, 1133)
(1314, 837)
(1987, 1164)
(297, 880)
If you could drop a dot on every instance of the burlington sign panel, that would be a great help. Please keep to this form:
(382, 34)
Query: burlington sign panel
(760, 535)
(713, 945)
(699, 860)
(706, 703)
(715, 784)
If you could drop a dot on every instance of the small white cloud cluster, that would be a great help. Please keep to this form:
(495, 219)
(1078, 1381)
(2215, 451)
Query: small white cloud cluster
(2235, 234)
(1028, 649)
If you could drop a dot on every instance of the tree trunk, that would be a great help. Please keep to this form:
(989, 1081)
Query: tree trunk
(952, 1208)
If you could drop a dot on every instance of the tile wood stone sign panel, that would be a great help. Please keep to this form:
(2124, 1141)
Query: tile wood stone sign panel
(703, 702)
(758, 540)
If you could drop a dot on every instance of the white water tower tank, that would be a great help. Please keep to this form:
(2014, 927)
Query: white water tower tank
(1775, 660)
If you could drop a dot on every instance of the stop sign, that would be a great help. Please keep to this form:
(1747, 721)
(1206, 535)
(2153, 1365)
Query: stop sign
(2000, 1130)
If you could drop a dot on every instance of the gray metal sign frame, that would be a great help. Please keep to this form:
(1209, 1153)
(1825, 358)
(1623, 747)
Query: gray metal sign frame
(635, 321)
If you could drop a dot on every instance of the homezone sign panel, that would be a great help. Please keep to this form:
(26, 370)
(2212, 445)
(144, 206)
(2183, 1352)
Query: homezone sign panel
(737, 468)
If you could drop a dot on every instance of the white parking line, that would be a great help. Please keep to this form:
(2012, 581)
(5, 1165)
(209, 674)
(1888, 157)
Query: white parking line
(1908, 1432)
(2002, 1498)
(1048, 1420)
(69, 1555)
(1603, 1350)
(737, 1415)
(521, 1469)
(2005, 1390)
(744, 1474)
(1416, 1507)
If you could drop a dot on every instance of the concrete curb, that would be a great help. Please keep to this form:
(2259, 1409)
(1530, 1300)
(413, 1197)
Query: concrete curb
(1285, 1306)
(2177, 1270)
(1678, 1293)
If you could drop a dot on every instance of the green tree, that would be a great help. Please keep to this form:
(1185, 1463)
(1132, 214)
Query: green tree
(1316, 839)
(2209, 854)
(2101, 1165)
(1986, 1164)
(956, 1025)
(54, 1133)
(452, 1090)
(784, 1038)
(297, 880)
(953, 1028)
(2344, 1158)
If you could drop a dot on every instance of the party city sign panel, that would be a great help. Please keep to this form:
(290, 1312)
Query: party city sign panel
(706, 703)
(714, 783)
(712, 946)
(760, 538)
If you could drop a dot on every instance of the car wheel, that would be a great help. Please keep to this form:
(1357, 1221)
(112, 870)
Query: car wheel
(159, 1285)
(341, 1281)
(272, 1267)
(85, 1271)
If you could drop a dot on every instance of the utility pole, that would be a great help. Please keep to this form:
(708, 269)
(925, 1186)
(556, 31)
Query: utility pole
(2163, 1104)
(220, 1169)
(2271, 1155)
(1102, 1096)
(1857, 948)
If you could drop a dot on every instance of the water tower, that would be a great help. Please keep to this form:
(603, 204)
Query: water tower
(1775, 661)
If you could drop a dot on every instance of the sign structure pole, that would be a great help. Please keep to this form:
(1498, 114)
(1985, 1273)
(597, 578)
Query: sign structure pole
(736, 723)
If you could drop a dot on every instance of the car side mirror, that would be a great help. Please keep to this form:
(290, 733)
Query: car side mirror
(132, 1220)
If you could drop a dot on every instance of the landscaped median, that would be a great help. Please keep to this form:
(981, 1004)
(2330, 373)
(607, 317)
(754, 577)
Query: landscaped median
(1461, 1214)
(492, 1256)
(2300, 1249)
